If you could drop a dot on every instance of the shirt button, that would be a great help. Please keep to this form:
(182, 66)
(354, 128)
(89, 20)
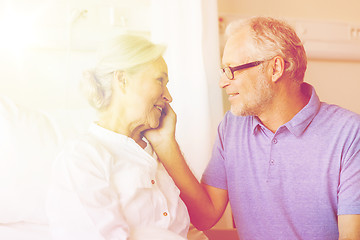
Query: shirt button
(165, 214)
(274, 141)
(272, 161)
(152, 181)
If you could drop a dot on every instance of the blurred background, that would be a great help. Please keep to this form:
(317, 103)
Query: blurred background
(46, 44)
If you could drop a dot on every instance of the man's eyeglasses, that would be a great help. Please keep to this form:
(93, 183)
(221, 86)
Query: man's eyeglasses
(229, 71)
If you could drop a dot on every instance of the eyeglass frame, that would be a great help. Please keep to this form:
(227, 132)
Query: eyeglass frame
(240, 67)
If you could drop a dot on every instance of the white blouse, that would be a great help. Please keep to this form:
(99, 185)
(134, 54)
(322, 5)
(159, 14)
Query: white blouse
(105, 186)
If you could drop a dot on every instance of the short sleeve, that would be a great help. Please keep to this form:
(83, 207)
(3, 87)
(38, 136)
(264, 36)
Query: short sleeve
(349, 187)
(215, 173)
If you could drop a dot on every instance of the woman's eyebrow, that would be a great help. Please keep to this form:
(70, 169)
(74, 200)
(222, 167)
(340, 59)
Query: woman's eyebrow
(166, 76)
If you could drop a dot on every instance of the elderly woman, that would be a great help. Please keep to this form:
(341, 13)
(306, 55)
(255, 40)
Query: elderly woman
(108, 183)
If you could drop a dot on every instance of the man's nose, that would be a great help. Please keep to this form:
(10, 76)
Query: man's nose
(224, 81)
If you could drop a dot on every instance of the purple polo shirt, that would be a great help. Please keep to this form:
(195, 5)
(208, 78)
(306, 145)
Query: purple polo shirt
(291, 184)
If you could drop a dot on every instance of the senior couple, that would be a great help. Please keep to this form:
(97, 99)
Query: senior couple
(288, 164)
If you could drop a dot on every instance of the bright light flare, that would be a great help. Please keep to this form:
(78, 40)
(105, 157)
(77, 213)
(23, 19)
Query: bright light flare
(17, 30)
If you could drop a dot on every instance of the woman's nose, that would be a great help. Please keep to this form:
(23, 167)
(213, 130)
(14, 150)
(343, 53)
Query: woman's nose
(167, 97)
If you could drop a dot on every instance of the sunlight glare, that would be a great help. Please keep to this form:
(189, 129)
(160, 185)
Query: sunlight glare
(17, 30)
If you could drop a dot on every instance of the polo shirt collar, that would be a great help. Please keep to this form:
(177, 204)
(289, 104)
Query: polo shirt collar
(301, 120)
(256, 124)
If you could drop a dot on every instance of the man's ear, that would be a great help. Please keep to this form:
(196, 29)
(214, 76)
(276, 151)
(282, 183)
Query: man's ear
(278, 68)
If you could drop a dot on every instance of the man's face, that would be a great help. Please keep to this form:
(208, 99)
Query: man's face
(250, 92)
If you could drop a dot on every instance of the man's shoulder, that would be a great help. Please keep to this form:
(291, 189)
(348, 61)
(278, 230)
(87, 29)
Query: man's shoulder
(336, 113)
(338, 119)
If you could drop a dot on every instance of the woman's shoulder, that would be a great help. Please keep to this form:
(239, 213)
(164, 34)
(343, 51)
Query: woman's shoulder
(85, 144)
(85, 151)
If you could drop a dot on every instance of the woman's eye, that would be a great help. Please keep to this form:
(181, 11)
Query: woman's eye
(161, 80)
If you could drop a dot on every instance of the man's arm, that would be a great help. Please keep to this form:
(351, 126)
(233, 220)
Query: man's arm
(349, 227)
(206, 204)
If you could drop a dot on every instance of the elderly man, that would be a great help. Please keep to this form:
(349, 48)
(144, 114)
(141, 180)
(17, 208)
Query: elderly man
(288, 163)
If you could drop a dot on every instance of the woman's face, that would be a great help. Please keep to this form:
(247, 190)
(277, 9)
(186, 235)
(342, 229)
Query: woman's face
(148, 94)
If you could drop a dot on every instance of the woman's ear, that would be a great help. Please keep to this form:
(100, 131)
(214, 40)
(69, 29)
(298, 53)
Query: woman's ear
(120, 79)
(278, 68)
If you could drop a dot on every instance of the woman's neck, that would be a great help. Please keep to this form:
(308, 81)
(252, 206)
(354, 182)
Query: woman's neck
(120, 125)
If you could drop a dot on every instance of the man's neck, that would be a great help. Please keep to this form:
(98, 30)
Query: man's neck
(287, 103)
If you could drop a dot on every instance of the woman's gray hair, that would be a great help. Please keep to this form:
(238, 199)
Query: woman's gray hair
(271, 37)
(123, 53)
